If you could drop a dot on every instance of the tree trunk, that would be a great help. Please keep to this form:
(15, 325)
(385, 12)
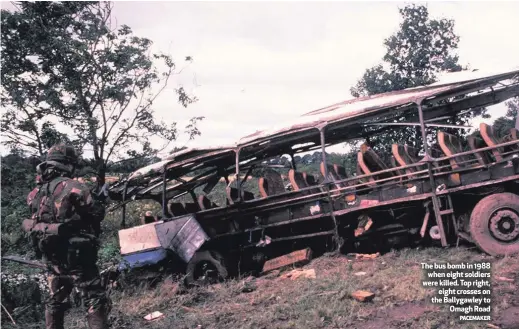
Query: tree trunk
(101, 174)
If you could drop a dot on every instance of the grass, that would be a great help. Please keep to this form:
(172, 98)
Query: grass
(324, 302)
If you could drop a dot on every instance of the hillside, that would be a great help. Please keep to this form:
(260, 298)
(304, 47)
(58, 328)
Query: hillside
(273, 301)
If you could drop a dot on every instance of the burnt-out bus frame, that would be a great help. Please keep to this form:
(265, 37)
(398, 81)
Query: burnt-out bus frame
(425, 105)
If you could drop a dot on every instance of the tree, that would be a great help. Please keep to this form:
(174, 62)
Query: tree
(66, 62)
(502, 125)
(415, 54)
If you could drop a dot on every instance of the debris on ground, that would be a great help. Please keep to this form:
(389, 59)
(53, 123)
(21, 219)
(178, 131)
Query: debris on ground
(502, 278)
(365, 222)
(248, 286)
(299, 257)
(272, 274)
(362, 295)
(360, 273)
(154, 316)
(363, 256)
(490, 325)
(509, 318)
(297, 273)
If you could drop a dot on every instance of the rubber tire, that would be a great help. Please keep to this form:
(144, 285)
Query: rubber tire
(479, 220)
(215, 258)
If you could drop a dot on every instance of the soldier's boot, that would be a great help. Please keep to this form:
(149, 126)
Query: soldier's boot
(98, 319)
(54, 319)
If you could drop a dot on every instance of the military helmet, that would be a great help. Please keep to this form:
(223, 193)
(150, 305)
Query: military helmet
(62, 153)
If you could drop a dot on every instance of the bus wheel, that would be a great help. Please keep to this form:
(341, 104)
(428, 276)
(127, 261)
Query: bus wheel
(494, 224)
(206, 267)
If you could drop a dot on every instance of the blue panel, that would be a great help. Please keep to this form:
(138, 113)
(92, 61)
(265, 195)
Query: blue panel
(142, 259)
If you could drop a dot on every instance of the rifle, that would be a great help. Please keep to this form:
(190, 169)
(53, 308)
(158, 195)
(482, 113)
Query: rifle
(30, 263)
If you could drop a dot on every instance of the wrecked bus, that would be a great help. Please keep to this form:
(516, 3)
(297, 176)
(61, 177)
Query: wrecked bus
(450, 190)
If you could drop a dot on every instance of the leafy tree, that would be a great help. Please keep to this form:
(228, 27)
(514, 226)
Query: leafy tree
(66, 62)
(415, 54)
(503, 124)
(18, 178)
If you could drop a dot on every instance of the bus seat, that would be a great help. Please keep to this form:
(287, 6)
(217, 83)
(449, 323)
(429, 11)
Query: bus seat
(406, 155)
(412, 153)
(263, 187)
(177, 209)
(477, 143)
(340, 171)
(395, 164)
(205, 203)
(232, 195)
(359, 172)
(247, 195)
(369, 162)
(403, 158)
(512, 136)
(271, 183)
(332, 176)
(490, 139)
(310, 179)
(297, 180)
(191, 207)
(451, 145)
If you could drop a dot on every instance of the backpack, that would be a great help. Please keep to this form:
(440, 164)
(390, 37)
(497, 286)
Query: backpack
(45, 212)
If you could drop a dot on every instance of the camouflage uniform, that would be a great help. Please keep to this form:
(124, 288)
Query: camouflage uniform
(72, 257)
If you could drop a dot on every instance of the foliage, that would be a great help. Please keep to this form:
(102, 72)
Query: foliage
(66, 62)
(502, 125)
(18, 179)
(415, 54)
(421, 48)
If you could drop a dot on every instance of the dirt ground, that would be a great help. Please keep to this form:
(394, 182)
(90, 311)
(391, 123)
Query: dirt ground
(273, 301)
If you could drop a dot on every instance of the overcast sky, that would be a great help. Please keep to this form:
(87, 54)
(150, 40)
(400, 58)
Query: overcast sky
(257, 63)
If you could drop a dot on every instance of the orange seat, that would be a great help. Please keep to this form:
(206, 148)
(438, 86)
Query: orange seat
(369, 162)
(332, 175)
(487, 132)
(297, 180)
(232, 195)
(271, 183)
(451, 145)
(476, 143)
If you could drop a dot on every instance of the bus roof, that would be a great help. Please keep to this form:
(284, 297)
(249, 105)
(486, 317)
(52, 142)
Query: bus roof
(449, 85)
(346, 110)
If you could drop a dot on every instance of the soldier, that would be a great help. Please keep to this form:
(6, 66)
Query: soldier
(65, 224)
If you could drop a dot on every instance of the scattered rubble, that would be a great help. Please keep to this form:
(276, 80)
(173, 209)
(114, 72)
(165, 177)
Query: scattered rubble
(272, 274)
(365, 223)
(490, 325)
(362, 296)
(154, 316)
(502, 278)
(248, 286)
(363, 256)
(297, 273)
(299, 257)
